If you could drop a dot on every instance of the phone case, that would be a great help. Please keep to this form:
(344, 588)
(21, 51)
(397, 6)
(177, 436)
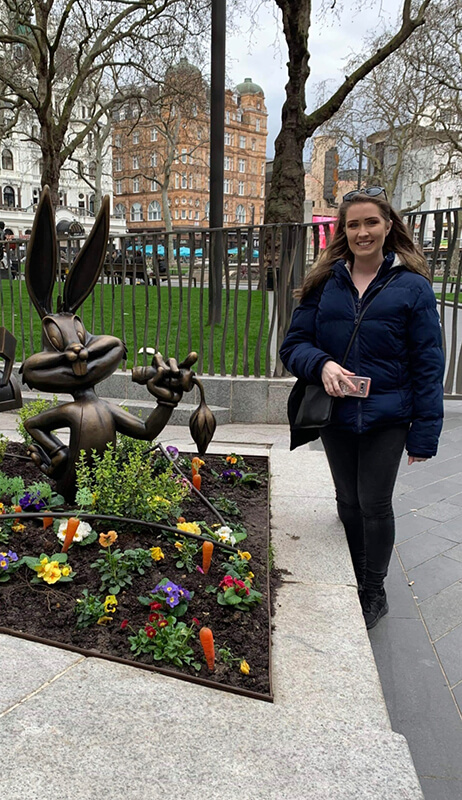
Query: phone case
(363, 386)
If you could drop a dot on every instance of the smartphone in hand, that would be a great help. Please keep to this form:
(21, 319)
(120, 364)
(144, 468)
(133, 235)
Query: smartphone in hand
(362, 386)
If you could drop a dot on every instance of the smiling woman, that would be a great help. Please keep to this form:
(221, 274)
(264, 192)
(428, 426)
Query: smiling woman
(373, 274)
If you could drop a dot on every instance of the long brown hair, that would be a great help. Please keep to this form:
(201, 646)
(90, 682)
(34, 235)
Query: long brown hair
(398, 241)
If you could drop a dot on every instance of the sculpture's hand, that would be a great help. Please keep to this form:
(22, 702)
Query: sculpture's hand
(53, 464)
(167, 380)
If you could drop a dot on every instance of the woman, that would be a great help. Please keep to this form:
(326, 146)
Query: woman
(398, 346)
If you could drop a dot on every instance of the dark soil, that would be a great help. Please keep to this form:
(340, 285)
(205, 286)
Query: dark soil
(48, 611)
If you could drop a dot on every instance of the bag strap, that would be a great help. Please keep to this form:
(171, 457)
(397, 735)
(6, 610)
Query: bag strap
(358, 321)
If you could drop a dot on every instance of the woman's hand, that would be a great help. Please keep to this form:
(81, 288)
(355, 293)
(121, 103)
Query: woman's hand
(414, 460)
(332, 373)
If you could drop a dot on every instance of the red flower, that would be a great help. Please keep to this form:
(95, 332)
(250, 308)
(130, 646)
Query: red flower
(124, 623)
(195, 620)
(150, 631)
(163, 623)
(153, 617)
(155, 606)
(227, 581)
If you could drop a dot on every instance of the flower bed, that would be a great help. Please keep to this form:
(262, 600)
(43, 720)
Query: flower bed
(133, 591)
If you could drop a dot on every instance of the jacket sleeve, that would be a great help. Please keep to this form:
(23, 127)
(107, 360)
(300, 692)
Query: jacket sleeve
(298, 351)
(426, 363)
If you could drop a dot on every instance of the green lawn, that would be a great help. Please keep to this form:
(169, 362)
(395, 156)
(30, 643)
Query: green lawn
(153, 317)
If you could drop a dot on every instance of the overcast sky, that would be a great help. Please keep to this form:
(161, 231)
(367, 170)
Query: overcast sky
(254, 53)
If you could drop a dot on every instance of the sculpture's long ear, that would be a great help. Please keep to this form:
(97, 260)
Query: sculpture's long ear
(42, 256)
(86, 268)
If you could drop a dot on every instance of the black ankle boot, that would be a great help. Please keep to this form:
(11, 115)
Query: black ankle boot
(374, 605)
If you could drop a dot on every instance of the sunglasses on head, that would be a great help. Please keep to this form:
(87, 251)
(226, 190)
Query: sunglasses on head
(371, 191)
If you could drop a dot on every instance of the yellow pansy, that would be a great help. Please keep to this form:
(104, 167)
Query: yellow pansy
(18, 527)
(244, 667)
(250, 575)
(244, 555)
(156, 554)
(66, 570)
(179, 545)
(189, 527)
(104, 620)
(110, 603)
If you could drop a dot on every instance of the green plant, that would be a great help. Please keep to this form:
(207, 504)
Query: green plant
(51, 570)
(89, 609)
(238, 566)
(9, 563)
(11, 487)
(187, 550)
(235, 476)
(168, 596)
(166, 639)
(30, 410)
(121, 482)
(271, 556)
(116, 568)
(234, 460)
(228, 507)
(237, 593)
(4, 441)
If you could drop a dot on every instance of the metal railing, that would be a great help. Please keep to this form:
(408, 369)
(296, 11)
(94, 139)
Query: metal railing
(154, 293)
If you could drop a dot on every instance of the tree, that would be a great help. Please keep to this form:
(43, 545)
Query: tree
(395, 116)
(285, 199)
(51, 51)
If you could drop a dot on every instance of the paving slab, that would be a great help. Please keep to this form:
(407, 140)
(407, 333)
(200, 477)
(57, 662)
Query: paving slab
(442, 511)
(27, 666)
(441, 789)
(168, 738)
(399, 593)
(435, 575)
(328, 668)
(443, 611)
(449, 649)
(421, 548)
(409, 525)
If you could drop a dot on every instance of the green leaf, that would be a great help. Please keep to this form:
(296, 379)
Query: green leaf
(211, 589)
(92, 537)
(145, 601)
(232, 600)
(114, 589)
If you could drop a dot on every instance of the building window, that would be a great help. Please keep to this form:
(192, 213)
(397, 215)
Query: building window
(153, 135)
(90, 141)
(136, 212)
(225, 218)
(154, 186)
(92, 170)
(84, 112)
(227, 186)
(118, 164)
(239, 115)
(240, 188)
(8, 196)
(184, 181)
(136, 137)
(240, 215)
(449, 203)
(177, 181)
(177, 214)
(190, 214)
(207, 210)
(241, 165)
(191, 181)
(154, 211)
(254, 144)
(91, 204)
(227, 164)
(7, 159)
(196, 215)
(257, 125)
(227, 117)
(437, 202)
(153, 159)
(242, 141)
(118, 187)
(183, 213)
(227, 138)
(120, 211)
(118, 140)
(184, 155)
(136, 184)
(136, 162)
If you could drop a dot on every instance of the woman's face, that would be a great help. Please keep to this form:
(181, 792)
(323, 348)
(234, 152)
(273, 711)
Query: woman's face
(366, 230)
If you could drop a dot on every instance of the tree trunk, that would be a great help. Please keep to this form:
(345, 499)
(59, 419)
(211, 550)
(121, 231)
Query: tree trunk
(287, 193)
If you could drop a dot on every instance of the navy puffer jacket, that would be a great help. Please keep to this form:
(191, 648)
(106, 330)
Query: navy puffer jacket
(398, 346)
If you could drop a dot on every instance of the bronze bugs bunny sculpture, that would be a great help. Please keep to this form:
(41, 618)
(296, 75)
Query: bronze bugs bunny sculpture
(75, 361)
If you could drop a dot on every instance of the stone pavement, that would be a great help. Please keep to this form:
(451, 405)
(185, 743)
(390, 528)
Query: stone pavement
(418, 646)
(75, 728)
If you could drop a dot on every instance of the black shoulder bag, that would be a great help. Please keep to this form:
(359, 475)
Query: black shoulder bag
(309, 407)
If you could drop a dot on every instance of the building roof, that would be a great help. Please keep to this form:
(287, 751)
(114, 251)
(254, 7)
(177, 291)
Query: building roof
(249, 87)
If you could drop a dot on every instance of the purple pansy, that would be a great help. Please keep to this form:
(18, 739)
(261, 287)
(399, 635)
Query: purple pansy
(172, 451)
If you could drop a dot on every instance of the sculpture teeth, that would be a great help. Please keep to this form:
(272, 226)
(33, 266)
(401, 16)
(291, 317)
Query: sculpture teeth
(79, 367)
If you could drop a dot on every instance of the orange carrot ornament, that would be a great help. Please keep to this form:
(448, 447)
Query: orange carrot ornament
(206, 640)
(17, 508)
(197, 481)
(47, 521)
(72, 526)
(207, 551)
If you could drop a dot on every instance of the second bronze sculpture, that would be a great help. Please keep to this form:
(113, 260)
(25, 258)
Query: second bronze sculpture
(75, 361)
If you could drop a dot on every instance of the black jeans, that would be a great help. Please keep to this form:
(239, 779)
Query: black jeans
(364, 468)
